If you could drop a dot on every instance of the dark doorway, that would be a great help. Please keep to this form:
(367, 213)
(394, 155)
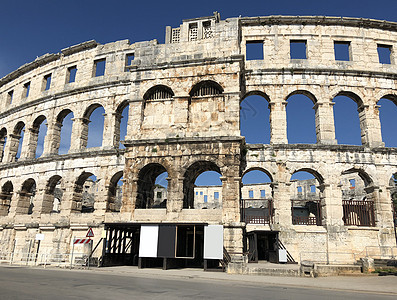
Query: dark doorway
(262, 246)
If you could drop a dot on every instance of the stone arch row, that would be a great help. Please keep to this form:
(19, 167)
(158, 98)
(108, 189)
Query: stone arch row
(49, 196)
(324, 118)
(10, 136)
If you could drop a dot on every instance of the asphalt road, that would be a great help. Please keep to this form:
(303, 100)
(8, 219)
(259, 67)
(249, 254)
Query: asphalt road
(28, 283)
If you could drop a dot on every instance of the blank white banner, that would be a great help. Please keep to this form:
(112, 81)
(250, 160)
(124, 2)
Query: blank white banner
(148, 241)
(213, 242)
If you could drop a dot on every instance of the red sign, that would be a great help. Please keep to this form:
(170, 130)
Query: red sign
(81, 241)
(90, 233)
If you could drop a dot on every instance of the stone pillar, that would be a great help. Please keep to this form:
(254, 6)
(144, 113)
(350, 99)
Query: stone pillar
(278, 123)
(371, 134)
(135, 115)
(100, 197)
(11, 148)
(53, 139)
(5, 202)
(325, 128)
(230, 199)
(30, 143)
(333, 212)
(79, 134)
(384, 207)
(282, 204)
(111, 130)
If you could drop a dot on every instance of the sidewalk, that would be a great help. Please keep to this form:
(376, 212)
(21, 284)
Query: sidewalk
(362, 283)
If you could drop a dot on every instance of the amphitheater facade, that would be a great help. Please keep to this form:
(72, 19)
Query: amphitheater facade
(183, 100)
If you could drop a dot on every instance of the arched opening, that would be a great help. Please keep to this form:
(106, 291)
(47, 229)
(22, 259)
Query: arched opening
(347, 119)
(254, 119)
(387, 115)
(358, 198)
(38, 134)
(63, 133)
(53, 195)
(200, 191)
(121, 124)
(5, 198)
(95, 119)
(306, 197)
(3, 140)
(206, 88)
(85, 192)
(26, 197)
(158, 92)
(152, 187)
(16, 140)
(301, 121)
(157, 99)
(257, 197)
(115, 193)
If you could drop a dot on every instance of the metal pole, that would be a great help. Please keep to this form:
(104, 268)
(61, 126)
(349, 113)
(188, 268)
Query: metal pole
(71, 258)
(37, 252)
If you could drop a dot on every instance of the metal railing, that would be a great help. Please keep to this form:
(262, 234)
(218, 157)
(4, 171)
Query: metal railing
(56, 260)
(257, 211)
(358, 212)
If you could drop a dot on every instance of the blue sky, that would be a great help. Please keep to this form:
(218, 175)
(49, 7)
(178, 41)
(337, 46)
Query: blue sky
(32, 28)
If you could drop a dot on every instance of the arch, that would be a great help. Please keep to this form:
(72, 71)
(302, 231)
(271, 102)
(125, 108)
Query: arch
(301, 118)
(255, 119)
(306, 197)
(302, 92)
(114, 199)
(206, 88)
(52, 195)
(391, 97)
(84, 194)
(5, 197)
(63, 132)
(121, 124)
(387, 107)
(38, 133)
(3, 140)
(16, 141)
(146, 185)
(352, 95)
(256, 93)
(26, 197)
(190, 176)
(358, 198)
(257, 196)
(348, 118)
(158, 92)
(93, 126)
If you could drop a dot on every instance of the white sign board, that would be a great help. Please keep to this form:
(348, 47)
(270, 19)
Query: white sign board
(282, 255)
(148, 241)
(213, 242)
(39, 236)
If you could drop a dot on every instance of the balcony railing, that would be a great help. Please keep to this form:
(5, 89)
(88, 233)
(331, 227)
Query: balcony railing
(257, 211)
(358, 212)
(306, 212)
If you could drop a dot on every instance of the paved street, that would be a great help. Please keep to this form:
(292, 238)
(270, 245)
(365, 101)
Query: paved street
(31, 283)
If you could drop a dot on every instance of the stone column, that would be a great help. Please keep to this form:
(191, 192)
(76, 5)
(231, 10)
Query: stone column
(333, 212)
(79, 136)
(282, 204)
(11, 147)
(278, 123)
(29, 143)
(371, 134)
(135, 115)
(111, 130)
(325, 128)
(384, 207)
(53, 139)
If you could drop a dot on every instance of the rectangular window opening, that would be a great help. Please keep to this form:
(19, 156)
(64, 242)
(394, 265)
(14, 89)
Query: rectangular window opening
(99, 67)
(254, 50)
(216, 195)
(10, 96)
(47, 82)
(129, 58)
(263, 194)
(72, 71)
(205, 198)
(299, 190)
(251, 194)
(26, 88)
(298, 49)
(384, 54)
(193, 32)
(352, 183)
(201, 193)
(312, 188)
(342, 51)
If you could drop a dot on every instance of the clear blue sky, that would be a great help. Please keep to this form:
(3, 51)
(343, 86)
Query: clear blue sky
(33, 28)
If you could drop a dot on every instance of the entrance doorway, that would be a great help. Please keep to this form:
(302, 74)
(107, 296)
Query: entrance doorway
(262, 246)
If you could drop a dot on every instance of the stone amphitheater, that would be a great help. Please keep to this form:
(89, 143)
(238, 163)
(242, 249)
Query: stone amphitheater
(183, 99)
